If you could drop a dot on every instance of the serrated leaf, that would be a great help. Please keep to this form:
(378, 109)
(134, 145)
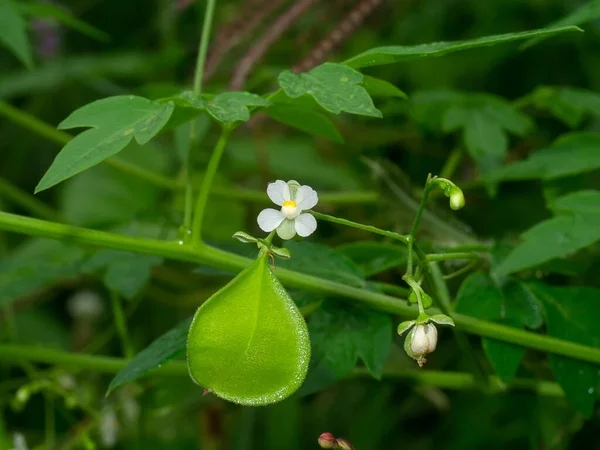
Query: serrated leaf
(232, 107)
(65, 18)
(115, 121)
(567, 104)
(398, 53)
(248, 343)
(570, 154)
(485, 121)
(305, 119)
(572, 314)
(124, 272)
(558, 236)
(374, 257)
(340, 335)
(334, 86)
(14, 32)
(166, 347)
(323, 262)
(513, 305)
(381, 88)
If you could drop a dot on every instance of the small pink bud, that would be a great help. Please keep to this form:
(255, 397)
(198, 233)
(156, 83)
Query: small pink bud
(343, 443)
(327, 440)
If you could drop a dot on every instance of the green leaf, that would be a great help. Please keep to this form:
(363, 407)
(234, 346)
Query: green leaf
(104, 196)
(558, 236)
(323, 262)
(166, 347)
(248, 343)
(124, 272)
(64, 17)
(374, 257)
(485, 121)
(567, 104)
(381, 88)
(585, 13)
(231, 107)
(334, 86)
(305, 119)
(35, 264)
(115, 121)
(580, 202)
(572, 314)
(340, 334)
(398, 53)
(513, 305)
(14, 32)
(570, 154)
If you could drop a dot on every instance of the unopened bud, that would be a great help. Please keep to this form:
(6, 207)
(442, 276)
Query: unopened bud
(327, 440)
(457, 199)
(343, 443)
(423, 341)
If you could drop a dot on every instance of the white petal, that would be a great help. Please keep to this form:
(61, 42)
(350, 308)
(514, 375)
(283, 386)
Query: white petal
(278, 192)
(286, 229)
(269, 219)
(306, 198)
(306, 225)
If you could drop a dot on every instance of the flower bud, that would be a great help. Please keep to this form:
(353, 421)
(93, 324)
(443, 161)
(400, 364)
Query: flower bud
(343, 443)
(327, 440)
(424, 339)
(457, 199)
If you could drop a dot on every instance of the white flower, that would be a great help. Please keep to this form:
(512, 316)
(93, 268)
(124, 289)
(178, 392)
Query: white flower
(293, 199)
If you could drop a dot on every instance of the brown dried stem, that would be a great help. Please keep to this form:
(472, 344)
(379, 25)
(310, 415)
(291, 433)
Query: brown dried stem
(259, 48)
(231, 35)
(336, 36)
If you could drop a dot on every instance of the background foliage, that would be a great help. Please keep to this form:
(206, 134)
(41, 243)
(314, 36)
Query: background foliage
(516, 128)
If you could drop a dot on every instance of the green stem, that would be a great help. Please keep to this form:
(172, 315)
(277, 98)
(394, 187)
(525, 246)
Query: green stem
(121, 324)
(461, 380)
(390, 234)
(203, 47)
(416, 289)
(452, 163)
(111, 365)
(413, 231)
(203, 254)
(464, 345)
(27, 201)
(433, 257)
(466, 268)
(198, 76)
(209, 175)
(391, 288)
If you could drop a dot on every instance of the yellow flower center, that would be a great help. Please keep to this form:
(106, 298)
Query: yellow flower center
(289, 209)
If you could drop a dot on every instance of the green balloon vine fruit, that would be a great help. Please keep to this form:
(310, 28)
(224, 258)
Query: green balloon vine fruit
(249, 343)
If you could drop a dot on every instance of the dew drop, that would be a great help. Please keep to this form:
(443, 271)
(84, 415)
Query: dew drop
(590, 390)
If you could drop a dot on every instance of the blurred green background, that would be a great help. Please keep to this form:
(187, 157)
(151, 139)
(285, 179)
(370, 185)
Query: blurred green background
(151, 49)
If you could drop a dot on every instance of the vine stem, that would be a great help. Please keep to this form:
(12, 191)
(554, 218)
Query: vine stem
(398, 237)
(121, 324)
(209, 175)
(198, 77)
(434, 257)
(112, 365)
(27, 201)
(204, 254)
